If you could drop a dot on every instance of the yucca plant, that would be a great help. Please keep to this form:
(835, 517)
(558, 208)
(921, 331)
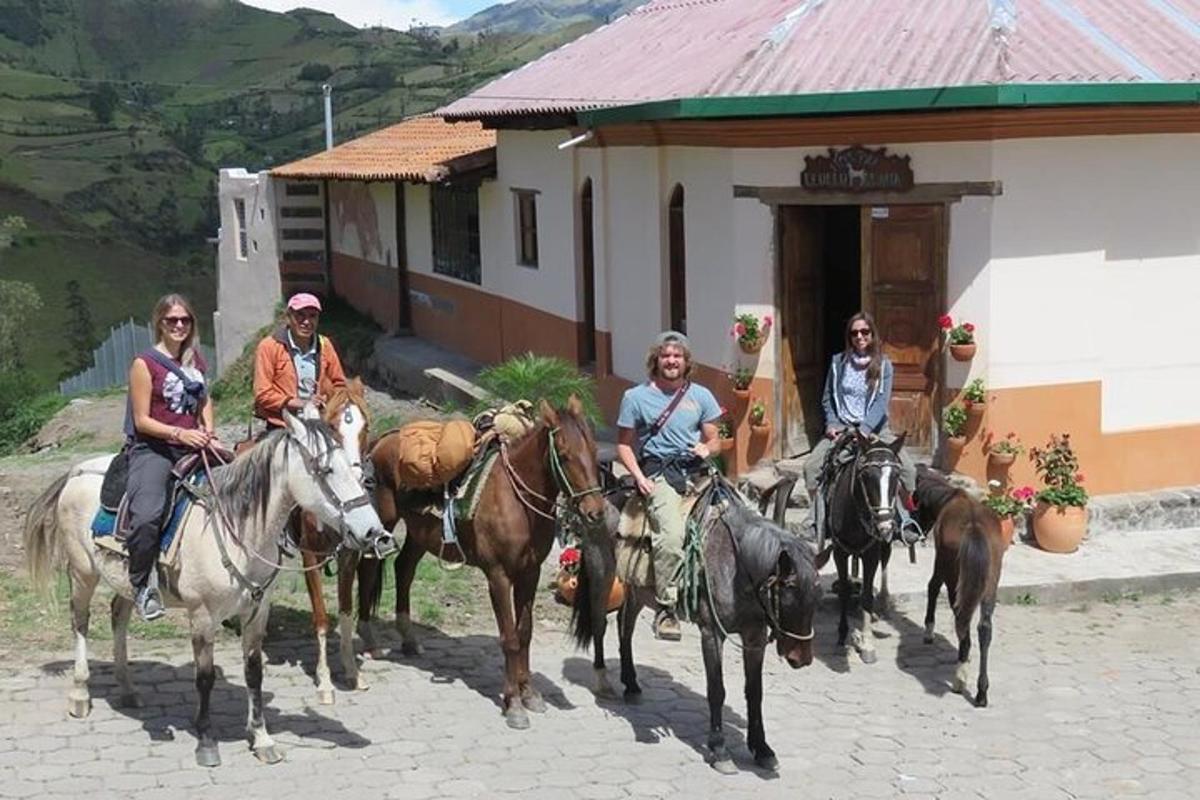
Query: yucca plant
(533, 377)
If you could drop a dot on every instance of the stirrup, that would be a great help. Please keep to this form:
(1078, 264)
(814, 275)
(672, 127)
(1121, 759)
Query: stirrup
(149, 604)
(666, 626)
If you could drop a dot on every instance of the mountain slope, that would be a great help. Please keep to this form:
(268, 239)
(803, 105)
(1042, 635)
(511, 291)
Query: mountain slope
(543, 16)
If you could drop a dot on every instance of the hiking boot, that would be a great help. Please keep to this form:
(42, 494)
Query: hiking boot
(149, 604)
(666, 626)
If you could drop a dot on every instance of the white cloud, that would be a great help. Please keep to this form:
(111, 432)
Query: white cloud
(398, 14)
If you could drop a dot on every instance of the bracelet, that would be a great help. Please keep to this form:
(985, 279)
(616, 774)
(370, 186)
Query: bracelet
(176, 432)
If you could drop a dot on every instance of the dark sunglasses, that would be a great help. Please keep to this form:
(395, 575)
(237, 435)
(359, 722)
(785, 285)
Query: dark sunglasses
(860, 332)
(172, 322)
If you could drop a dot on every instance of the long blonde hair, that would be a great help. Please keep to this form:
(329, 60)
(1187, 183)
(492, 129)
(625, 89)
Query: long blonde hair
(187, 353)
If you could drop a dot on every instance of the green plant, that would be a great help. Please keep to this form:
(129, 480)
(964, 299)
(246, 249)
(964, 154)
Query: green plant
(1058, 467)
(748, 329)
(24, 408)
(758, 413)
(741, 378)
(962, 333)
(975, 392)
(1009, 445)
(533, 377)
(1011, 503)
(954, 420)
(725, 424)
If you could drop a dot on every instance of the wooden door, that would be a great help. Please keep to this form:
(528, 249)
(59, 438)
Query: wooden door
(904, 258)
(801, 303)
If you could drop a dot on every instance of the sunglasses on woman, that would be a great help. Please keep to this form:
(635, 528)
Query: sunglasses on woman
(177, 322)
(860, 332)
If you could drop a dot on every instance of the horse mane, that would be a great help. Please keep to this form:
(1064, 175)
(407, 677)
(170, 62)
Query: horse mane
(760, 542)
(342, 396)
(243, 486)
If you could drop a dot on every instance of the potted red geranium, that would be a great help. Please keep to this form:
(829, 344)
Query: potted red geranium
(566, 583)
(960, 336)
(1060, 517)
(1009, 505)
(975, 398)
(1004, 452)
(741, 378)
(751, 331)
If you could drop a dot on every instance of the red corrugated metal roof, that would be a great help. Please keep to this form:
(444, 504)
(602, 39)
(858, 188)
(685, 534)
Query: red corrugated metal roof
(418, 149)
(673, 49)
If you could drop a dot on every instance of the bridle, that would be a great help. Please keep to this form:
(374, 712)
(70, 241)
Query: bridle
(869, 516)
(319, 468)
(562, 485)
(768, 597)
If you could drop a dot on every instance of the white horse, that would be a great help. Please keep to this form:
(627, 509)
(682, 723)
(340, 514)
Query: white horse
(227, 557)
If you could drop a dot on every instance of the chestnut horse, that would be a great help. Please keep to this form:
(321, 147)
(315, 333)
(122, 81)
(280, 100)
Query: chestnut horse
(970, 552)
(549, 474)
(346, 413)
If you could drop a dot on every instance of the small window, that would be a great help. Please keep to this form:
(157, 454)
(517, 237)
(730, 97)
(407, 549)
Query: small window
(302, 233)
(527, 238)
(239, 213)
(454, 220)
(302, 189)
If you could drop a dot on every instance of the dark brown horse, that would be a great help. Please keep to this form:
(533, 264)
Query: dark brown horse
(548, 473)
(970, 554)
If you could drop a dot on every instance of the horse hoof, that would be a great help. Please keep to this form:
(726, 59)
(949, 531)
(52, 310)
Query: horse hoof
(411, 648)
(79, 707)
(768, 762)
(325, 697)
(929, 638)
(516, 718)
(359, 684)
(268, 755)
(633, 695)
(208, 756)
(868, 656)
(605, 690)
(533, 702)
(725, 766)
(981, 700)
(371, 653)
(957, 686)
(131, 700)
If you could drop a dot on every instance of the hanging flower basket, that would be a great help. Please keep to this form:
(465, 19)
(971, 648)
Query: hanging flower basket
(961, 338)
(566, 583)
(954, 447)
(962, 352)
(1001, 459)
(751, 331)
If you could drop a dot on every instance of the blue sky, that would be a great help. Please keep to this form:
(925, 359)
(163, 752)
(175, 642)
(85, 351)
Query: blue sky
(398, 14)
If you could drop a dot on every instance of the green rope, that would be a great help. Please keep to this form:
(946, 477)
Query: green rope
(688, 578)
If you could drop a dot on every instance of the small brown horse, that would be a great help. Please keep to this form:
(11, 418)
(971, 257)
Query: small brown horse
(508, 539)
(346, 413)
(970, 554)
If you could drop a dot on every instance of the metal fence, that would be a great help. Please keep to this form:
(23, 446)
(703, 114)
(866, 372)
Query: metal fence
(110, 361)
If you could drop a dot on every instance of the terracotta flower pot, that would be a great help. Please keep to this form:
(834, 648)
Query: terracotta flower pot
(741, 395)
(752, 346)
(727, 445)
(962, 352)
(1002, 459)
(954, 449)
(567, 585)
(1007, 528)
(976, 409)
(1059, 530)
(760, 428)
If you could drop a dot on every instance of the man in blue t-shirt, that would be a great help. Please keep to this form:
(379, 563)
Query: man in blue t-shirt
(665, 426)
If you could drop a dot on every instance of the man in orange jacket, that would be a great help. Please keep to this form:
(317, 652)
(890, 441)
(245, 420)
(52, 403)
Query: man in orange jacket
(295, 365)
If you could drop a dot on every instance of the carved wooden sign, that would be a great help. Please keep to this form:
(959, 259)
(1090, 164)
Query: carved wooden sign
(857, 169)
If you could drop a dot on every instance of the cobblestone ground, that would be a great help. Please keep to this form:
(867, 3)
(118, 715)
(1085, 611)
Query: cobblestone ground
(1085, 702)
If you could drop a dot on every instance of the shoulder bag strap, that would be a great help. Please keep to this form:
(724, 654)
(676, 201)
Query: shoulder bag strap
(669, 410)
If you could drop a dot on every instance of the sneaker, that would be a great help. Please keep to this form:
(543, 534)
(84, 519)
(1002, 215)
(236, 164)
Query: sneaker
(149, 604)
(666, 626)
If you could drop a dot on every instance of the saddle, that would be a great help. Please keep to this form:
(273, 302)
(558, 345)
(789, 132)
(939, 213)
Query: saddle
(110, 525)
(632, 545)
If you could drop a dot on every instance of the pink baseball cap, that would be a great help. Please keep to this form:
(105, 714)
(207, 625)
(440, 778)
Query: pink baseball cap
(303, 300)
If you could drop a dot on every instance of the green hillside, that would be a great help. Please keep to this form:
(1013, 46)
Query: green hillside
(116, 114)
(544, 16)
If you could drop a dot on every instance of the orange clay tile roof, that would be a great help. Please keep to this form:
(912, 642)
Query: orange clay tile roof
(419, 149)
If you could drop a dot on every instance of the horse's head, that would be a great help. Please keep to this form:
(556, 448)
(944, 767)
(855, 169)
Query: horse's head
(792, 594)
(877, 479)
(322, 481)
(573, 458)
(346, 412)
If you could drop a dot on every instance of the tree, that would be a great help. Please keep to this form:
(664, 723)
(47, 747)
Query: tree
(8, 230)
(103, 103)
(18, 302)
(314, 71)
(81, 333)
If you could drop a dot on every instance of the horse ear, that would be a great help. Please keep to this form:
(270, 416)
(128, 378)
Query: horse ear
(575, 406)
(899, 443)
(823, 557)
(294, 425)
(548, 414)
(356, 386)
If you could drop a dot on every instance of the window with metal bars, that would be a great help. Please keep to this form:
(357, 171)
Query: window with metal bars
(455, 228)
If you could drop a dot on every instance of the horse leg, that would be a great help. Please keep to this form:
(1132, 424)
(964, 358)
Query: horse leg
(347, 566)
(866, 634)
(207, 754)
(604, 687)
(962, 626)
(626, 621)
(884, 598)
(524, 591)
(711, 644)
(500, 590)
(254, 626)
(406, 571)
(320, 618)
(931, 597)
(839, 558)
(985, 640)
(79, 700)
(754, 645)
(121, 608)
(370, 587)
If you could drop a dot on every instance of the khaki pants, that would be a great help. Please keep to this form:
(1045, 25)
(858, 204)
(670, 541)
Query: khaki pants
(667, 527)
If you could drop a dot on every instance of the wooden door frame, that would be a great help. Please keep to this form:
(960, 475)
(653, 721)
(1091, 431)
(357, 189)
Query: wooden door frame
(944, 194)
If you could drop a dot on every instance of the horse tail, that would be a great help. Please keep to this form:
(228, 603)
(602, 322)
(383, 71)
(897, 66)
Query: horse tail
(371, 591)
(43, 545)
(598, 568)
(974, 567)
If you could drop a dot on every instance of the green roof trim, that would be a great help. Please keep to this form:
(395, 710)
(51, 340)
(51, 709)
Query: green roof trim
(1019, 95)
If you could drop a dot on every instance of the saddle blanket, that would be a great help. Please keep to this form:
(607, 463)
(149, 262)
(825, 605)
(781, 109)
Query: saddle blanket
(104, 524)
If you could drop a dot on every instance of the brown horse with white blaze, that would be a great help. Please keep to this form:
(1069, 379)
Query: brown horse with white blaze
(970, 555)
(550, 472)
